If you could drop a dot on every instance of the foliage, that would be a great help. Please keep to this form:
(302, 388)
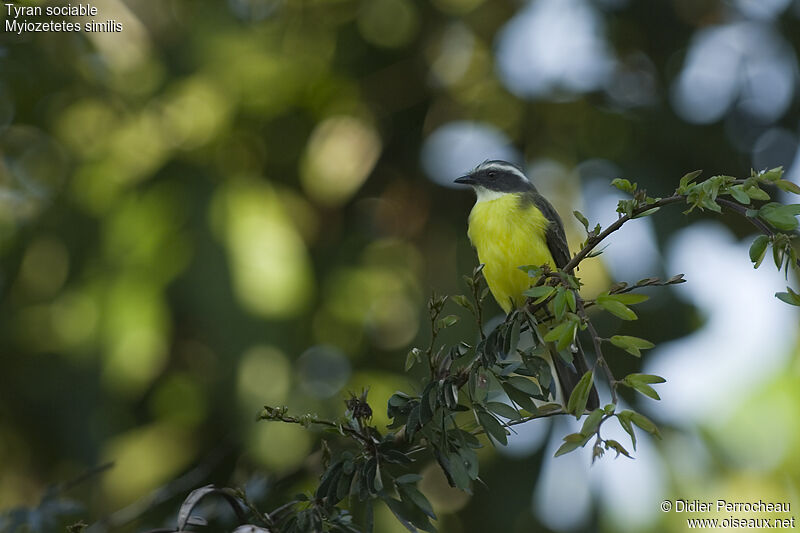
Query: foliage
(483, 390)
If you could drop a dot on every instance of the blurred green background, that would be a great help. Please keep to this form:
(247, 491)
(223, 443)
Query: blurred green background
(233, 203)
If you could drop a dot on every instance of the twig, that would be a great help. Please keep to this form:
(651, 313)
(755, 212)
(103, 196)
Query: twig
(733, 206)
(275, 415)
(598, 349)
(594, 241)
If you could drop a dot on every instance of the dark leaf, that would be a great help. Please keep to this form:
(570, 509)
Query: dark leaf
(591, 422)
(504, 410)
(758, 250)
(524, 384)
(491, 426)
(580, 394)
(410, 493)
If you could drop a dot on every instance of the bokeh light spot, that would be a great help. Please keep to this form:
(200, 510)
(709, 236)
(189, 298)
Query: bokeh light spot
(136, 324)
(388, 23)
(269, 263)
(457, 7)
(444, 498)
(144, 458)
(179, 400)
(194, 112)
(75, 318)
(45, 267)
(32, 168)
(278, 447)
(553, 46)
(263, 377)
(457, 147)
(340, 155)
(322, 371)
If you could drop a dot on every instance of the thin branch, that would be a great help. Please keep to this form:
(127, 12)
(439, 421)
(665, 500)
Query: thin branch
(524, 419)
(594, 241)
(741, 210)
(598, 349)
(272, 414)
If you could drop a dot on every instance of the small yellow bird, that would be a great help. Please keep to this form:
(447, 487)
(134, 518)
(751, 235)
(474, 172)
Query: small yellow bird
(512, 225)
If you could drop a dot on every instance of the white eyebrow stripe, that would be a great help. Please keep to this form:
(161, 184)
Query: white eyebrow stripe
(508, 167)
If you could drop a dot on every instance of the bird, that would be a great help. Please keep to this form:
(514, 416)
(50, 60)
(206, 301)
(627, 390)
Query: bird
(512, 225)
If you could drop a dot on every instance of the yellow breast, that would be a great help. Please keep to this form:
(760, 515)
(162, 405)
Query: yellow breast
(508, 233)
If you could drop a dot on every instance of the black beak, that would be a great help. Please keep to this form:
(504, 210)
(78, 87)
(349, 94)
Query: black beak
(466, 180)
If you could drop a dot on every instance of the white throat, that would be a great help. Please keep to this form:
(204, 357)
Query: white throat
(485, 195)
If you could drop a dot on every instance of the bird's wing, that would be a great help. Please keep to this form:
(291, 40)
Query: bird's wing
(556, 238)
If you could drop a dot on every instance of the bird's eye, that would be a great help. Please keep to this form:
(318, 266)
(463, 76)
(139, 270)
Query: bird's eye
(492, 174)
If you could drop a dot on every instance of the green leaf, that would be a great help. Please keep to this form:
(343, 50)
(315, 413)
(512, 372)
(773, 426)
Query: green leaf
(555, 333)
(779, 216)
(619, 448)
(615, 307)
(629, 298)
(400, 512)
(790, 297)
(453, 467)
(639, 382)
(777, 256)
(648, 212)
(632, 345)
(755, 193)
(504, 410)
(758, 250)
(773, 174)
(571, 303)
(624, 185)
(469, 458)
(560, 304)
(410, 493)
(646, 424)
(710, 203)
(412, 358)
(492, 427)
(580, 395)
(525, 385)
(513, 337)
(520, 398)
(566, 448)
(582, 219)
(687, 179)
(567, 336)
(541, 293)
(408, 478)
(447, 321)
(592, 422)
(738, 193)
(646, 378)
(788, 186)
(624, 419)
(463, 301)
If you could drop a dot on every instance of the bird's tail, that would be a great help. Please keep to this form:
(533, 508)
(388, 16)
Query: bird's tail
(569, 374)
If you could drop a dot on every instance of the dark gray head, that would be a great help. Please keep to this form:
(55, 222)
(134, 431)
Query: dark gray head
(497, 176)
